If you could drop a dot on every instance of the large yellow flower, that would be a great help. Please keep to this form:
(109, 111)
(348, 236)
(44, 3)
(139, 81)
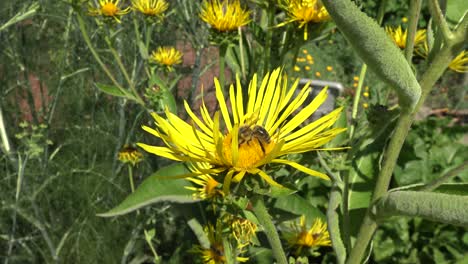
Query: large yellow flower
(399, 36)
(109, 8)
(249, 137)
(150, 7)
(304, 12)
(224, 16)
(300, 237)
(167, 56)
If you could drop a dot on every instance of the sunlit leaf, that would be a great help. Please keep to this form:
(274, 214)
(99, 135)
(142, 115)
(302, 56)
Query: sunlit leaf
(154, 189)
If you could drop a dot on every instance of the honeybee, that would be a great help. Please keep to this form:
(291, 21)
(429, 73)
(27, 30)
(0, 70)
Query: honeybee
(247, 133)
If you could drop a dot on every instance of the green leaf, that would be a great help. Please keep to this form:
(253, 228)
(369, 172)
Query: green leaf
(297, 205)
(114, 91)
(455, 10)
(167, 96)
(154, 189)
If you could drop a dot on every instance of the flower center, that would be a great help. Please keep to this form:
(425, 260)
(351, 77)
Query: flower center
(109, 9)
(254, 145)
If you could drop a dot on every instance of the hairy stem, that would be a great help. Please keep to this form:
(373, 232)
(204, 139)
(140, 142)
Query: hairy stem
(270, 230)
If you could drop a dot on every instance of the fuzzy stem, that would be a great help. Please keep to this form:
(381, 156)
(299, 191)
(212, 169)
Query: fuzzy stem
(415, 8)
(368, 226)
(265, 220)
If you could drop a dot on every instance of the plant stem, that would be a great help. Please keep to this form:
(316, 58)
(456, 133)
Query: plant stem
(268, 39)
(130, 177)
(241, 51)
(265, 220)
(333, 222)
(415, 8)
(357, 97)
(368, 226)
(124, 71)
(222, 64)
(95, 54)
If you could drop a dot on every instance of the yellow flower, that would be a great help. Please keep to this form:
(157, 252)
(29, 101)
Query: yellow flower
(356, 78)
(329, 68)
(215, 253)
(249, 137)
(150, 7)
(299, 237)
(304, 12)
(307, 68)
(167, 56)
(399, 36)
(366, 94)
(404, 19)
(297, 68)
(207, 185)
(109, 8)
(460, 63)
(310, 58)
(243, 231)
(130, 154)
(224, 16)
(318, 74)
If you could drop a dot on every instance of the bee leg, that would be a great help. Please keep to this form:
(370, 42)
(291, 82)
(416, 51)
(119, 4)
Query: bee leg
(261, 146)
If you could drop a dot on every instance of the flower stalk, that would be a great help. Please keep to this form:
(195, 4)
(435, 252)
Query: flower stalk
(264, 218)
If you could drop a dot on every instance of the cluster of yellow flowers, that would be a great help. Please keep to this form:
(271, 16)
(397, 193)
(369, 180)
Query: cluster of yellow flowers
(113, 8)
(399, 36)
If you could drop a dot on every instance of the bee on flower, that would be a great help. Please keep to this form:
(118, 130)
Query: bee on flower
(272, 131)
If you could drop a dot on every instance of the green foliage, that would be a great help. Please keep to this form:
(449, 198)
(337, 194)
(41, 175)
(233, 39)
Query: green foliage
(158, 187)
(428, 154)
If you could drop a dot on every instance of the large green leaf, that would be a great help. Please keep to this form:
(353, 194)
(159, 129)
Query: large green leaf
(155, 189)
(297, 205)
(365, 168)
